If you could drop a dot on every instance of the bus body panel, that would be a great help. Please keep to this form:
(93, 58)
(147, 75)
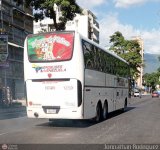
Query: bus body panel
(101, 86)
(94, 90)
(58, 93)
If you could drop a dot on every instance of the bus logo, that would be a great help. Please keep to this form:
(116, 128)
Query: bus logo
(56, 68)
(49, 75)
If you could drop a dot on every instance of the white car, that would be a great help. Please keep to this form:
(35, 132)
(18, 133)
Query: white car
(136, 94)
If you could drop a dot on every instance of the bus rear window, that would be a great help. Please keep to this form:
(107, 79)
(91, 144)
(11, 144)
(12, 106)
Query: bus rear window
(50, 47)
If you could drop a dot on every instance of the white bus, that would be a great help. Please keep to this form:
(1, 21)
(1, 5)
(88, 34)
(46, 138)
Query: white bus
(70, 77)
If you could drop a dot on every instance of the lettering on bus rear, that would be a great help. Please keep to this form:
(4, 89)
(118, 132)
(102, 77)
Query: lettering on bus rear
(53, 68)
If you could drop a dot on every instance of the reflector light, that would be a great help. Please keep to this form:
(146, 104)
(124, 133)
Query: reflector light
(30, 103)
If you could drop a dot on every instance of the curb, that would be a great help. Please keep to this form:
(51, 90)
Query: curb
(12, 109)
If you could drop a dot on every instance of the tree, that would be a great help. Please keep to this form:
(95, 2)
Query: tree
(159, 67)
(158, 71)
(118, 43)
(151, 80)
(45, 8)
(128, 50)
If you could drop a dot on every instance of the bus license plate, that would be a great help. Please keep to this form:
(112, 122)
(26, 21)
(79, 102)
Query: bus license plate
(51, 111)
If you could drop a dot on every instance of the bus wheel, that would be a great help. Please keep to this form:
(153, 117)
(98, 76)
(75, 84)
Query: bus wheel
(105, 111)
(98, 113)
(125, 106)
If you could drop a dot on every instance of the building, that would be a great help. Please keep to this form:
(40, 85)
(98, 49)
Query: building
(93, 32)
(16, 22)
(45, 25)
(139, 81)
(85, 24)
(80, 23)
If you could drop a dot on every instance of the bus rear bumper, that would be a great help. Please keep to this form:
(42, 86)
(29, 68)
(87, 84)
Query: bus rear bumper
(68, 113)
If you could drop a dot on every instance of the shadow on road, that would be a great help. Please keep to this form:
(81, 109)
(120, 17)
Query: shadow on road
(119, 112)
(79, 123)
(68, 123)
(12, 115)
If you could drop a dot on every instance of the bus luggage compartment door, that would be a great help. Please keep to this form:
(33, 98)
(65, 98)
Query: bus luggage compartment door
(60, 93)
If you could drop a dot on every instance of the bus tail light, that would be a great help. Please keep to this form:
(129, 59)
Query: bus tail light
(79, 92)
(30, 103)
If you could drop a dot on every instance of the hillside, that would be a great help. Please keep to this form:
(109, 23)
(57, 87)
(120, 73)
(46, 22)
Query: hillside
(151, 63)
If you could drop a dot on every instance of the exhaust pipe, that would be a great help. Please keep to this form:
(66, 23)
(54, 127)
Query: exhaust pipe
(36, 115)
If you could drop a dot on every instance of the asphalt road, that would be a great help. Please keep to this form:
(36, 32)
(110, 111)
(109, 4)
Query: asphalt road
(140, 124)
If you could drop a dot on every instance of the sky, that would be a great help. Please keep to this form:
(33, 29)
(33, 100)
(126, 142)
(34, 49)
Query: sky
(130, 17)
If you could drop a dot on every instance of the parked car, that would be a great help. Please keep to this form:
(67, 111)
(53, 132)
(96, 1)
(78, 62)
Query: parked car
(136, 94)
(155, 94)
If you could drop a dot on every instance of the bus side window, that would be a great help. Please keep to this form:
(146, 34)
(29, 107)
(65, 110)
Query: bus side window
(88, 55)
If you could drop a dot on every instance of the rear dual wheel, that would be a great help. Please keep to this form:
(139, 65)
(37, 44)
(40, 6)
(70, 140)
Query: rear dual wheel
(101, 114)
(105, 111)
(98, 117)
(125, 106)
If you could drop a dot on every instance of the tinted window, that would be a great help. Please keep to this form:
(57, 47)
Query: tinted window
(97, 59)
(50, 47)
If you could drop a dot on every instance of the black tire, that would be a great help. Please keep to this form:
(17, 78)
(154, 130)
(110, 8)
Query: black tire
(125, 106)
(98, 117)
(105, 111)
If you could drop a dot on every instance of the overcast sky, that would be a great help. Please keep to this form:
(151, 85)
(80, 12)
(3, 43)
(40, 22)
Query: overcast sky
(130, 17)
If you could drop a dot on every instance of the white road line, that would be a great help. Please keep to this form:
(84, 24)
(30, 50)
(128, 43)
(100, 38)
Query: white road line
(3, 133)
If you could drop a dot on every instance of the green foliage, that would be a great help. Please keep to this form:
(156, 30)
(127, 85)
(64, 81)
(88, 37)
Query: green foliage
(45, 8)
(128, 50)
(118, 43)
(152, 79)
(159, 61)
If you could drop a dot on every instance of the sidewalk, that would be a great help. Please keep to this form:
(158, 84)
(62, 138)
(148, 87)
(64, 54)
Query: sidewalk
(12, 109)
(21, 101)
(17, 106)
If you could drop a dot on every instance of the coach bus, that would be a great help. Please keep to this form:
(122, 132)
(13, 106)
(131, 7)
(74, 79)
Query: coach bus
(68, 76)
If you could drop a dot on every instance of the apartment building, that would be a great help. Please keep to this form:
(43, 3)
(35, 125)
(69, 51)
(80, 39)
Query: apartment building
(139, 81)
(86, 24)
(16, 22)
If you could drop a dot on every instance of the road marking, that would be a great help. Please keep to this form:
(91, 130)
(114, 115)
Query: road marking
(3, 133)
